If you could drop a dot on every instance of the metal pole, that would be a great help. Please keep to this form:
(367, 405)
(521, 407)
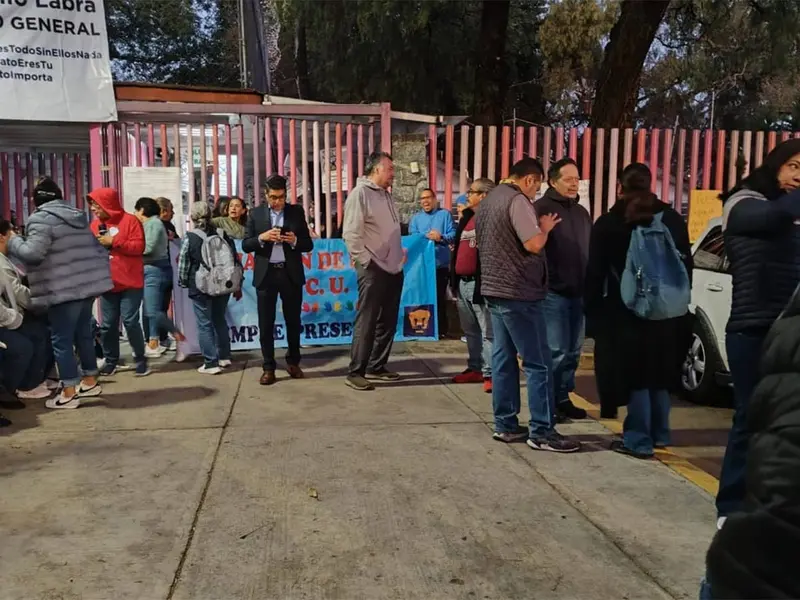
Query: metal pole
(242, 46)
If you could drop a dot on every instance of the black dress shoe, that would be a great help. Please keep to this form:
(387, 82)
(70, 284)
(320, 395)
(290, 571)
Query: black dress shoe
(12, 404)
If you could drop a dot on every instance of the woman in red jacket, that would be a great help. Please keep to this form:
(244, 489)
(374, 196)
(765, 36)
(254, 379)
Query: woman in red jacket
(122, 234)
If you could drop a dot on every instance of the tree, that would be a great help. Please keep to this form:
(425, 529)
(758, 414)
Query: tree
(617, 90)
(491, 68)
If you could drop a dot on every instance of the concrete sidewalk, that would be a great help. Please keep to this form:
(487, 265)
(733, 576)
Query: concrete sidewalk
(190, 487)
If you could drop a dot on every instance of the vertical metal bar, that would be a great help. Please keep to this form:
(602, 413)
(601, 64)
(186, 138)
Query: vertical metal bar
(124, 144)
(463, 171)
(190, 163)
(784, 136)
(449, 150)
(559, 143)
(505, 151)
(627, 149)
(492, 153)
(641, 145)
(228, 155)
(613, 161)
(317, 179)
(348, 160)
(304, 158)
(95, 156)
(151, 146)
(371, 138)
(732, 158)
(533, 134)
(215, 162)
(339, 170)
(694, 160)
(240, 184)
(4, 174)
(477, 165)
(433, 159)
(79, 191)
(654, 135)
(598, 174)
(53, 167)
(546, 131)
(329, 194)
(281, 170)
(573, 143)
(720, 160)
(293, 160)
(680, 171)
(360, 151)
(137, 140)
(18, 188)
(67, 187)
(29, 179)
(386, 127)
(203, 166)
(519, 143)
(113, 181)
(586, 153)
(707, 141)
(268, 147)
(164, 146)
(254, 127)
(747, 142)
(759, 149)
(771, 141)
(666, 169)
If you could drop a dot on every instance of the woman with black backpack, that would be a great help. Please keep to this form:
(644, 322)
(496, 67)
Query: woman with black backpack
(209, 310)
(647, 351)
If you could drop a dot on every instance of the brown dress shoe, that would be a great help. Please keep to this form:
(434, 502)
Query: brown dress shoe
(267, 378)
(295, 372)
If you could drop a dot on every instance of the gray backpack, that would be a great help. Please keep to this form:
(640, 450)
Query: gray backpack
(219, 272)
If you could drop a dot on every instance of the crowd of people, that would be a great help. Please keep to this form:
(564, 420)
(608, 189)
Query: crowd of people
(532, 278)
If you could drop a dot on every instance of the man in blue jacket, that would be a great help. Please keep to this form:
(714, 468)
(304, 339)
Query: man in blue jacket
(437, 225)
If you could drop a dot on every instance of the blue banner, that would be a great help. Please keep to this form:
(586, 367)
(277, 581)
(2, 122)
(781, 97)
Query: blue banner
(331, 294)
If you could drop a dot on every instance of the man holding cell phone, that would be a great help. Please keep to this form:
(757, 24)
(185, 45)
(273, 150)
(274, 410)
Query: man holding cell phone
(277, 235)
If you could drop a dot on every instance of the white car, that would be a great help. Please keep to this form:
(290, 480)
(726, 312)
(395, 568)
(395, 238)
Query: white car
(705, 368)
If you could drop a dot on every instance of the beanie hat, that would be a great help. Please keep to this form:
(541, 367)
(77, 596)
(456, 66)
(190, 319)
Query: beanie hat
(46, 190)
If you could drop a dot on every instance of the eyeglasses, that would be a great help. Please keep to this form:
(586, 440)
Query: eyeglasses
(474, 192)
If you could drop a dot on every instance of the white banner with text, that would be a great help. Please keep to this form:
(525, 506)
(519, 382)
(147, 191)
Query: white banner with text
(54, 63)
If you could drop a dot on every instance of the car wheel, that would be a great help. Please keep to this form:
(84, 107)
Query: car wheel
(700, 365)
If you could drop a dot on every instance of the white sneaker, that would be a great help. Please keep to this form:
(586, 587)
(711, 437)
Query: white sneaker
(40, 392)
(156, 352)
(89, 391)
(224, 363)
(61, 401)
(209, 370)
(180, 356)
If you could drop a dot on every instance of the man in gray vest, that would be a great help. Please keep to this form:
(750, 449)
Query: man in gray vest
(511, 241)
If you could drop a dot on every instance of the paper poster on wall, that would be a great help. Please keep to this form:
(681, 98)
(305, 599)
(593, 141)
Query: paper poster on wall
(153, 182)
(54, 63)
(704, 205)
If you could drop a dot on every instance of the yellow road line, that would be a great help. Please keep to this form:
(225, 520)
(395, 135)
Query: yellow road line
(671, 458)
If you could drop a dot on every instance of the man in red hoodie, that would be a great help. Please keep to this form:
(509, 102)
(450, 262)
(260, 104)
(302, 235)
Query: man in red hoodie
(122, 234)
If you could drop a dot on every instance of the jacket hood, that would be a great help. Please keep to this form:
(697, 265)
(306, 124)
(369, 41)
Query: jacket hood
(108, 199)
(370, 184)
(71, 216)
(554, 195)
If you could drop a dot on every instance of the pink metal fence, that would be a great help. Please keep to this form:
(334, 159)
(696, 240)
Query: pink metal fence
(315, 147)
(19, 171)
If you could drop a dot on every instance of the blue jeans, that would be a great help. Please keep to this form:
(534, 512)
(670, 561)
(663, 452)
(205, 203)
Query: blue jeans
(565, 334)
(744, 354)
(114, 305)
(71, 329)
(212, 328)
(27, 356)
(647, 423)
(519, 328)
(157, 280)
(477, 326)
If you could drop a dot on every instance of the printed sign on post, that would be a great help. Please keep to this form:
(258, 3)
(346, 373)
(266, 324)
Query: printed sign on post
(54, 61)
(704, 205)
(153, 182)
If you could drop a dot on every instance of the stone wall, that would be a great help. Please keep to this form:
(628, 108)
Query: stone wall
(408, 149)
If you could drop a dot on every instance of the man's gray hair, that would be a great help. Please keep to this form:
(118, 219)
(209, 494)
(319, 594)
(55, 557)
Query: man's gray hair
(200, 215)
(373, 160)
(484, 185)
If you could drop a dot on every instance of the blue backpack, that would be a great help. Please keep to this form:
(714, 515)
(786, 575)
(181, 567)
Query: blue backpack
(655, 284)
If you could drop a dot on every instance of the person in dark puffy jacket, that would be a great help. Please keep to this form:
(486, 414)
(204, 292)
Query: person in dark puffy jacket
(67, 269)
(762, 242)
(757, 551)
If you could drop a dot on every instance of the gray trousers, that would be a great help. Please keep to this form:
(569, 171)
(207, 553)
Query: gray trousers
(376, 318)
